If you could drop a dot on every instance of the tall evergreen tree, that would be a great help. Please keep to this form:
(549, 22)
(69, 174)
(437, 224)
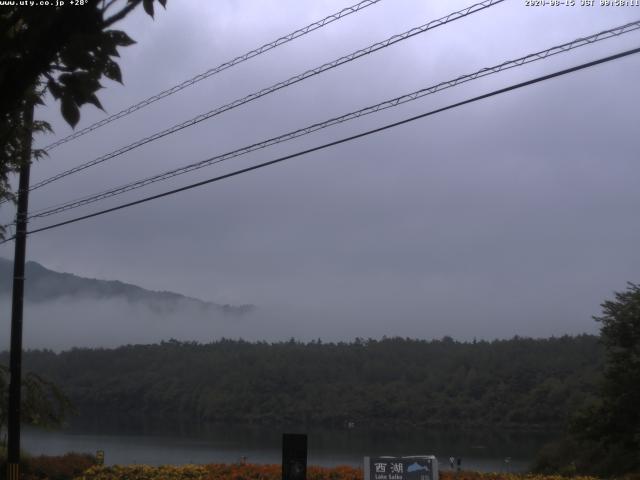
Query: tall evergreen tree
(613, 424)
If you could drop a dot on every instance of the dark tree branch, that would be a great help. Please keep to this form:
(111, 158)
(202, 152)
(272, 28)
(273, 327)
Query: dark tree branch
(121, 14)
(108, 5)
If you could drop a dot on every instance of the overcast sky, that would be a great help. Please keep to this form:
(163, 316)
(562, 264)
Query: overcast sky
(513, 215)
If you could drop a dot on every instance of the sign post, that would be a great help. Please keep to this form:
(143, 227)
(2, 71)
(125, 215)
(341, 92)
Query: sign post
(416, 467)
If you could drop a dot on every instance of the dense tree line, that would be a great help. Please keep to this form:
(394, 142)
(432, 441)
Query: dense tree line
(519, 382)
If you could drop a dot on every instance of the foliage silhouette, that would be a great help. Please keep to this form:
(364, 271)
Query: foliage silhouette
(62, 50)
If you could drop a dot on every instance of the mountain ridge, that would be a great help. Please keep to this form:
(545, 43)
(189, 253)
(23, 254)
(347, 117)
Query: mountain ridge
(43, 285)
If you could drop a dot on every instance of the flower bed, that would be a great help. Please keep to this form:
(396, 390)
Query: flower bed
(50, 467)
(269, 472)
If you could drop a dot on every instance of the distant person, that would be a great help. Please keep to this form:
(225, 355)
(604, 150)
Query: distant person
(451, 462)
(459, 463)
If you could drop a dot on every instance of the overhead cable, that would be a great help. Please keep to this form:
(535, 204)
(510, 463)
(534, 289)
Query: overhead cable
(343, 140)
(242, 58)
(532, 57)
(265, 91)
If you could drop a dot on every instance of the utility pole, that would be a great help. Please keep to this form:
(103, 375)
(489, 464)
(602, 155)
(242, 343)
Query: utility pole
(15, 362)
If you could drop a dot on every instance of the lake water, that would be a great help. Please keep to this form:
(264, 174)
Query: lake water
(480, 450)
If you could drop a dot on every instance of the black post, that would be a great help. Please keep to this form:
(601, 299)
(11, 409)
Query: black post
(15, 362)
(294, 456)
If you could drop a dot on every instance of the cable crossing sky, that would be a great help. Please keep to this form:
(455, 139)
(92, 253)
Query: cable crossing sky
(347, 139)
(532, 57)
(273, 88)
(223, 66)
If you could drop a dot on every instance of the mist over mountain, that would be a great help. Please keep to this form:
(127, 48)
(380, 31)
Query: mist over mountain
(43, 285)
(63, 310)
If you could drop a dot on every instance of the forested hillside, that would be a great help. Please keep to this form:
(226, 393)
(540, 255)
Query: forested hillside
(518, 382)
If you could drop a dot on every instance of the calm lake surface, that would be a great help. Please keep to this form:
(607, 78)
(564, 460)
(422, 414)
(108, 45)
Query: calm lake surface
(482, 450)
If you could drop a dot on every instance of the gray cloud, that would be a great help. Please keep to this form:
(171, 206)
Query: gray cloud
(510, 216)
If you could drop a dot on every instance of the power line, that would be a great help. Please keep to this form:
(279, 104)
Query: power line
(265, 91)
(346, 139)
(532, 57)
(242, 58)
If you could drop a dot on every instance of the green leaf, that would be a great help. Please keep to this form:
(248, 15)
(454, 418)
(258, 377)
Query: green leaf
(39, 153)
(112, 71)
(163, 3)
(66, 79)
(55, 89)
(78, 55)
(42, 126)
(148, 7)
(69, 110)
(108, 45)
(120, 38)
(80, 85)
(93, 100)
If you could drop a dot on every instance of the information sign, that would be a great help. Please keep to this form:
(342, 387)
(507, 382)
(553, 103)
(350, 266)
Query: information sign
(415, 467)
